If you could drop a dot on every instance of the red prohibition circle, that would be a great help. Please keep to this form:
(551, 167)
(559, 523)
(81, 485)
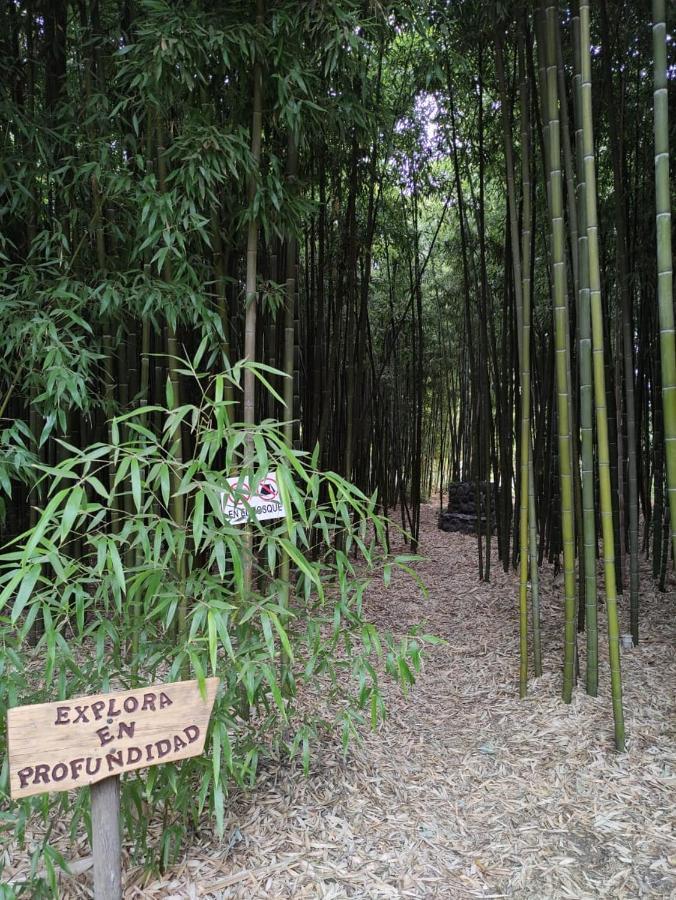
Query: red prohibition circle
(239, 495)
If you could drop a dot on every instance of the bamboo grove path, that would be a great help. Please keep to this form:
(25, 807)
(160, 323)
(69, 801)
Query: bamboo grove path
(465, 791)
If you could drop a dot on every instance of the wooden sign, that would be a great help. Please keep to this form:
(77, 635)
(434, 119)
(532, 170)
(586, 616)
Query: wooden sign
(70, 743)
(265, 502)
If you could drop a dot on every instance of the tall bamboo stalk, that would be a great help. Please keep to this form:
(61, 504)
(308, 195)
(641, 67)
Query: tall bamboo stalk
(586, 389)
(522, 289)
(174, 379)
(625, 340)
(484, 433)
(526, 256)
(251, 272)
(527, 501)
(288, 366)
(562, 351)
(221, 296)
(599, 379)
(571, 209)
(664, 260)
(289, 303)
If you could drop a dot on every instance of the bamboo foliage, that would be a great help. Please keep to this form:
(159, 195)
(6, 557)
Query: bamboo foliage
(340, 190)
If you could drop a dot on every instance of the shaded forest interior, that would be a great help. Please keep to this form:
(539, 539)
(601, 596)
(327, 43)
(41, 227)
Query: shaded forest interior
(407, 243)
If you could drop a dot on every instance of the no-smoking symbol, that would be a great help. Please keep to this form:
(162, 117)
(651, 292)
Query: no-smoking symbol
(267, 490)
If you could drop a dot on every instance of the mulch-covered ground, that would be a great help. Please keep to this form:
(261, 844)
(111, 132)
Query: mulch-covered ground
(465, 791)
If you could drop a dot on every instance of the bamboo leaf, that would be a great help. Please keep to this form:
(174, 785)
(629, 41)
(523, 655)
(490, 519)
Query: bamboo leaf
(267, 633)
(44, 521)
(10, 587)
(28, 582)
(212, 638)
(276, 693)
(71, 510)
(136, 483)
(165, 484)
(216, 752)
(219, 809)
(116, 567)
(283, 636)
(198, 518)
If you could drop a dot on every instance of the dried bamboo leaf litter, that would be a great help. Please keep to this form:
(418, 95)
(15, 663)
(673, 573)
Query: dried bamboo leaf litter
(465, 791)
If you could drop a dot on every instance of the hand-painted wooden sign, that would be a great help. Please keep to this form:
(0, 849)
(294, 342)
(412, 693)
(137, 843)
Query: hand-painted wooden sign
(265, 503)
(70, 743)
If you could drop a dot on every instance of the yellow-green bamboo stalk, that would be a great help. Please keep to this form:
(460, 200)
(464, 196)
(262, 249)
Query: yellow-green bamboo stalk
(586, 390)
(599, 378)
(664, 261)
(562, 351)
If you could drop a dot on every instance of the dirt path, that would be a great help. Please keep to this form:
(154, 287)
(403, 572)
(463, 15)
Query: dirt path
(466, 791)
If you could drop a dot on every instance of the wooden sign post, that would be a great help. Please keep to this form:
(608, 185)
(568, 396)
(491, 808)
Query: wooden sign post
(107, 839)
(93, 740)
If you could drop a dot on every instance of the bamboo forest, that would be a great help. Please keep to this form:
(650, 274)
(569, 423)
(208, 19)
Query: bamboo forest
(337, 449)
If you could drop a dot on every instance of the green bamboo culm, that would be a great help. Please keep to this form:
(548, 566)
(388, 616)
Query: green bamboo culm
(527, 552)
(526, 234)
(534, 576)
(523, 331)
(664, 262)
(289, 300)
(174, 384)
(221, 296)
(586, 390)
(289, 339)
(251, 292)
(142, 400)
(599, 379)
(562, 350)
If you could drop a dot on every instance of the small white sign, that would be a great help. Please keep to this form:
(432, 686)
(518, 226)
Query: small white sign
(265, 503)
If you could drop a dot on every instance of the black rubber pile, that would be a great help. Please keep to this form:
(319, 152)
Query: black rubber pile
(461, 512)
